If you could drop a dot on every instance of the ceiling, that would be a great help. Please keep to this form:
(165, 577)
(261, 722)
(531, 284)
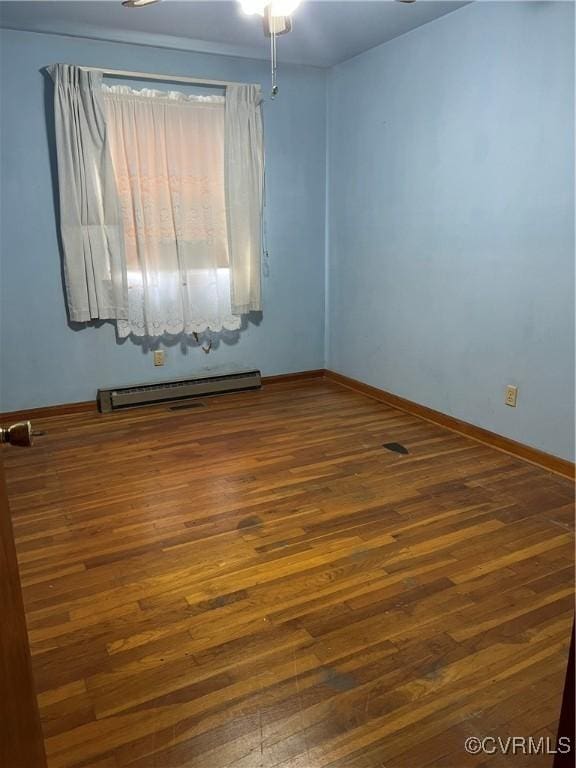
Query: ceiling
(325, 32)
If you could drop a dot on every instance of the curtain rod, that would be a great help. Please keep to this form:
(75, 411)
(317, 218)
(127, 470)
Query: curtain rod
(165, 78)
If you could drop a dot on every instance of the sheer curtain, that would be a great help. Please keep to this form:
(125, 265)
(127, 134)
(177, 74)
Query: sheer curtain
(90, 220)
(167, 150)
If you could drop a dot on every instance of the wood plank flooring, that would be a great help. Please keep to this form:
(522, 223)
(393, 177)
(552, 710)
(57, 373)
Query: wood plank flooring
(258, 583)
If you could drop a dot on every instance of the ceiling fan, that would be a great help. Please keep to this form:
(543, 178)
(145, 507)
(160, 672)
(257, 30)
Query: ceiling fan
(276, 16)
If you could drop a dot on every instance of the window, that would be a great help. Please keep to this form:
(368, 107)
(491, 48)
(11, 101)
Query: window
(161, 200)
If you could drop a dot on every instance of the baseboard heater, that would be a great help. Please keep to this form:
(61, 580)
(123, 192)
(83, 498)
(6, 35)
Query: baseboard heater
(178, 389)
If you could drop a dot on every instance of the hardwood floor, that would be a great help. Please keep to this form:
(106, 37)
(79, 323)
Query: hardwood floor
(258, 582)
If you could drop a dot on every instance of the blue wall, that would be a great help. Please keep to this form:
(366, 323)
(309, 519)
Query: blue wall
(44, 361)
(448, 266)
(451, 238)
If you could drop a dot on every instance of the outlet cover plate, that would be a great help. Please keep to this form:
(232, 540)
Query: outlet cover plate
(511, 395)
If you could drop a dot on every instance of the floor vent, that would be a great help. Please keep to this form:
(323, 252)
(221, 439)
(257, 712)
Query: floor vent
(186, 406)
(171, 391)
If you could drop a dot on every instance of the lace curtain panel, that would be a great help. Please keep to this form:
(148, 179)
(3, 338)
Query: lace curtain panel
(167, 150)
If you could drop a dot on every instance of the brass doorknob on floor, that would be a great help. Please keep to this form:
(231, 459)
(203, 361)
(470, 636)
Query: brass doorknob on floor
(18, 434)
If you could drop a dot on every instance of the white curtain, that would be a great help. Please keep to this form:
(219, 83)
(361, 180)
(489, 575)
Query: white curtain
(168, 154)
(90, 221)
(244, 194)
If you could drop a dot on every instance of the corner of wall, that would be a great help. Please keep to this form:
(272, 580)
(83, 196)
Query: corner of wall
(327, 217)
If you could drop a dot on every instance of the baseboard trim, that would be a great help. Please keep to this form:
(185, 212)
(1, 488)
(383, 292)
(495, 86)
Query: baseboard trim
(282, 378)
(87, 406)
(492, 439)
(48, 411)
(501, 443)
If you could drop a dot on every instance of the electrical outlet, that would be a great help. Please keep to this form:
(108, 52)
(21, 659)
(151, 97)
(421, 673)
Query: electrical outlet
(511, 395)
(158, 357)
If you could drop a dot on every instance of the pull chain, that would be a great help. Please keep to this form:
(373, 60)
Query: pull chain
(273, 61)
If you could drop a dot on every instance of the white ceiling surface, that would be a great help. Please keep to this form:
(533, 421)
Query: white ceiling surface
(325, 32)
